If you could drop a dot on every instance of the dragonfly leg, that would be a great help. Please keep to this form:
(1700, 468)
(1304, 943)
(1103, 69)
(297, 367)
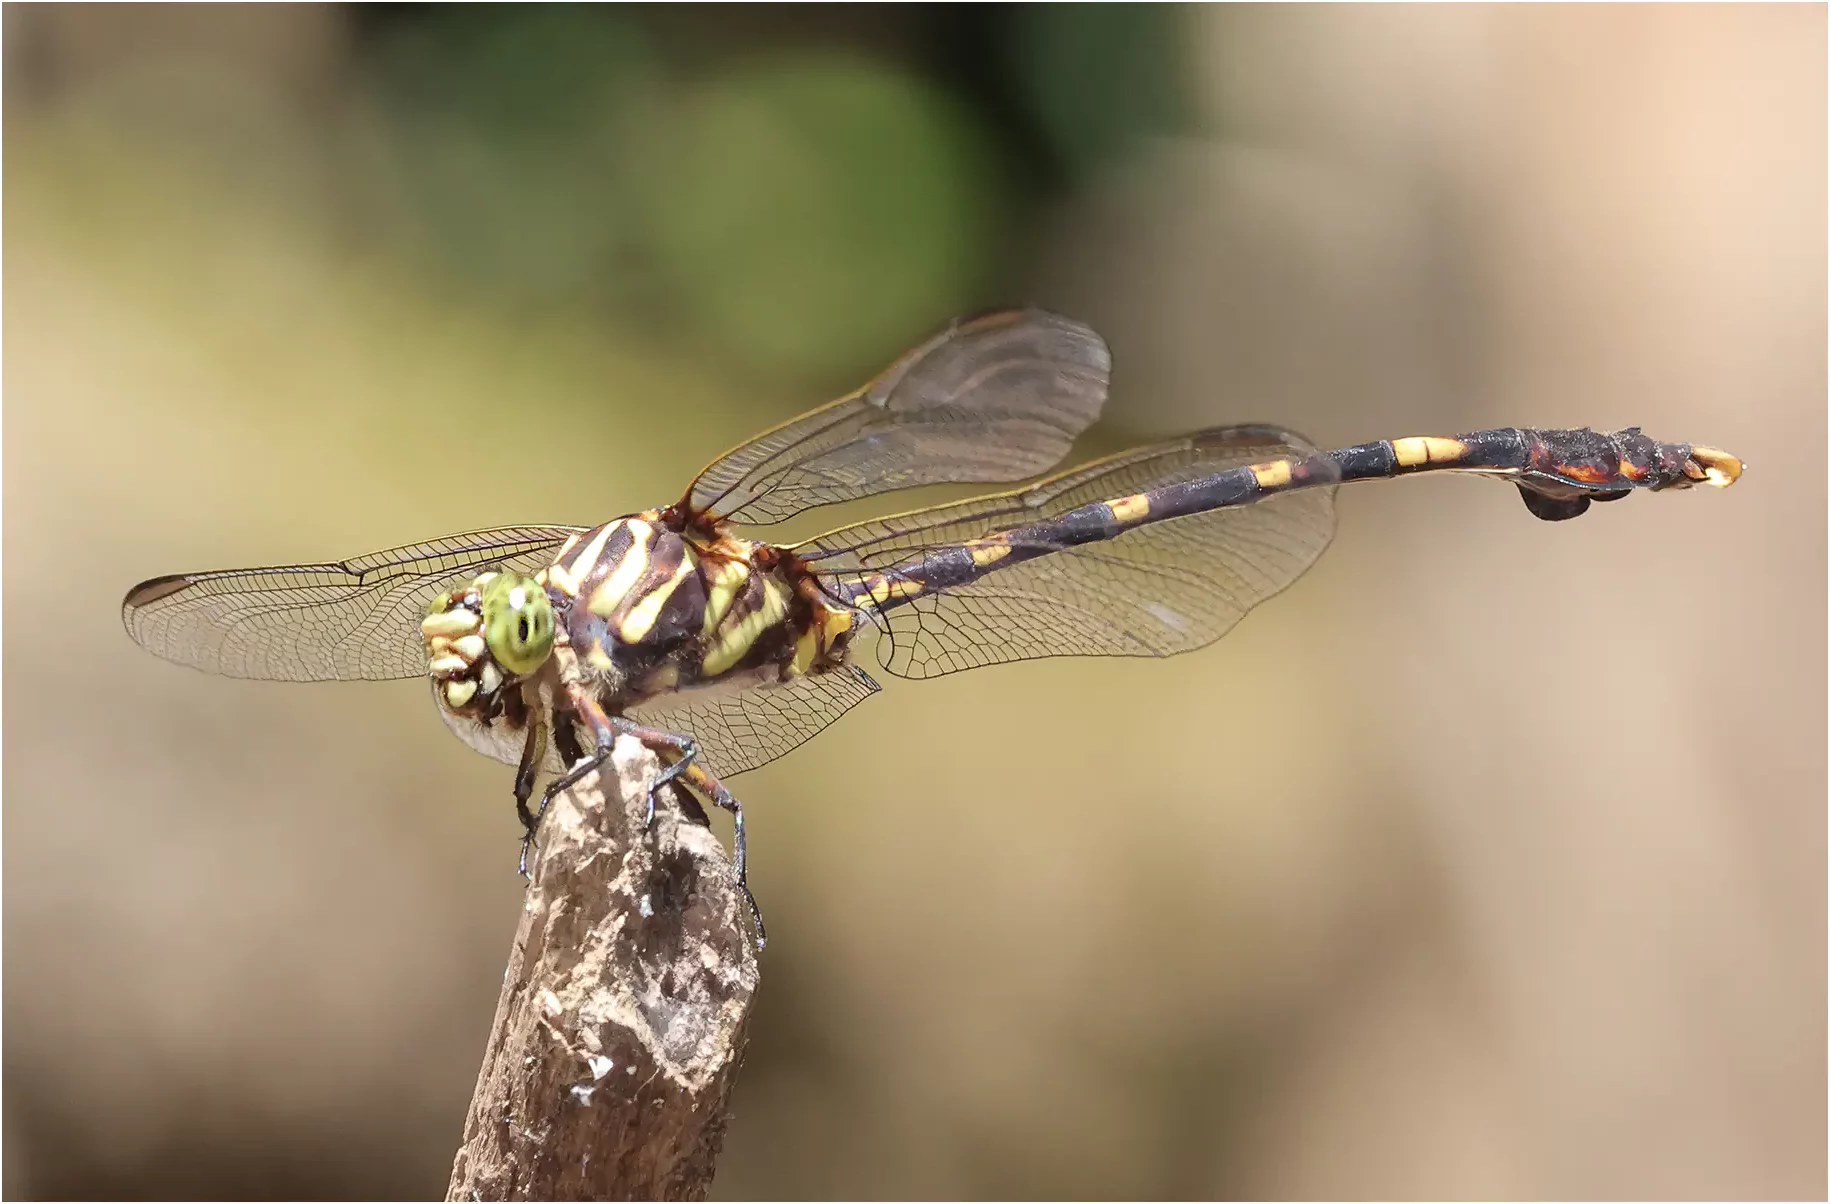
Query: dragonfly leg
(565, 738)
(682, 753)
(714, 790)
(580, 764)
(684, 767)
(685, 751)
(532, 753)
(571, 753)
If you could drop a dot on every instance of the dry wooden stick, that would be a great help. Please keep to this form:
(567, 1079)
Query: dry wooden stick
(621, 1023)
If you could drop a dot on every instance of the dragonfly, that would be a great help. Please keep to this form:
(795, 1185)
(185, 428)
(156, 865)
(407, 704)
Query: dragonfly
(720, 652)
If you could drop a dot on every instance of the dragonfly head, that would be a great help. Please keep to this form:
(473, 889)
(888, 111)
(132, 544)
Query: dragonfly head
(495, 630)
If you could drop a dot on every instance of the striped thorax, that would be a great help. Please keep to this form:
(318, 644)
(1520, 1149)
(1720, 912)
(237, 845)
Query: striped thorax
(648, 607)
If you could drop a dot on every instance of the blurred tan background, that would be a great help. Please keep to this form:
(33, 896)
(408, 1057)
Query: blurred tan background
(1489, 860)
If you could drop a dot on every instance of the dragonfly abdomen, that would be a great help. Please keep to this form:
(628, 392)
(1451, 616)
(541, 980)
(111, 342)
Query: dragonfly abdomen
(1558, 472)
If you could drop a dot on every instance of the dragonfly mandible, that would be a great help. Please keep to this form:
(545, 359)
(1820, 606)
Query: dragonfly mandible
(722, 653)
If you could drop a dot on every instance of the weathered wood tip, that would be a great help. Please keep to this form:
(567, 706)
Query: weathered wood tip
(621, 1023)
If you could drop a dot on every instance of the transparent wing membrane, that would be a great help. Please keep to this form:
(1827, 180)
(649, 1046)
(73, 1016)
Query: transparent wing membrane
(995, 398)
(740, 731)
(1155, 590)
(353, 620)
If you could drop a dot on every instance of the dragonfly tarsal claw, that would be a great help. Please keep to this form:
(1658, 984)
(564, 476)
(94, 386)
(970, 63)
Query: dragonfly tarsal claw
(762, 934)
(530, 823)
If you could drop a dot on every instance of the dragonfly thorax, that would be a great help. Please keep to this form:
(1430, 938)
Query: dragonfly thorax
(647, 607)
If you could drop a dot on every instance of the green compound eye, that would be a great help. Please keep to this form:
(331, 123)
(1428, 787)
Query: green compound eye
(517, 622)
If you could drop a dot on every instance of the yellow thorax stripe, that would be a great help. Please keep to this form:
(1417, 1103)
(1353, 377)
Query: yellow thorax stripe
(556, 576)
(607, 596)
(734, 643)
(834, 624)
(805, 649)
(640, 619)
(725, 579)
(579, 566)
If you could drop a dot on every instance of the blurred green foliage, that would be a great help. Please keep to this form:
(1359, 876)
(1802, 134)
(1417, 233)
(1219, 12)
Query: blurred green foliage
(805, 206)
(797, 206)
(801, 206)
(503, 129)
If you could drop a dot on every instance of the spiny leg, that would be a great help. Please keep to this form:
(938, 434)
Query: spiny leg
(533, 751)
(605, 728)
(580, 764)
(565, 740)
(684, 767)
(714, 790)
(682, 749)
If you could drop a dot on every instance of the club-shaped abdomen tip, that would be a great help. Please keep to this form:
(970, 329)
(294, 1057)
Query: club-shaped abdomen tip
(1713, 466)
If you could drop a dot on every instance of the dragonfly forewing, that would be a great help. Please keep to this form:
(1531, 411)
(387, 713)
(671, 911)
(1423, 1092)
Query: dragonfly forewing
(350, 620)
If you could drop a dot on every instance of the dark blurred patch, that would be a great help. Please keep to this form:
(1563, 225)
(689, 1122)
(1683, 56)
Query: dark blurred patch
(775, 182)
(1098, 80)
(500, 136)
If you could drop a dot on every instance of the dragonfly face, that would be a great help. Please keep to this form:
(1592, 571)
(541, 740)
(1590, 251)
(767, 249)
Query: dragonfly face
(722, 653)
(482, 641)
